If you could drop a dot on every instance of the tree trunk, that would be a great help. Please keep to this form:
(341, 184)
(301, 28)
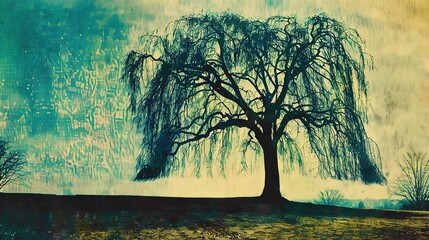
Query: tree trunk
(271, 190)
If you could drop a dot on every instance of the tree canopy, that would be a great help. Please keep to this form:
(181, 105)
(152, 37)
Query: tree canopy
(207, 75)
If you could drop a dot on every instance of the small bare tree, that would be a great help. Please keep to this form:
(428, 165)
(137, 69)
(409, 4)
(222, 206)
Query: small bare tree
(413, 183)
(330, 197)
(12, 164)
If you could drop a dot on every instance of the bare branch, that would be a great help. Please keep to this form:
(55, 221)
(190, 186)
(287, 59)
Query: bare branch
(12, 165)
(413, 183)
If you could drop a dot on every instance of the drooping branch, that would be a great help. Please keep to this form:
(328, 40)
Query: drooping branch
(240, 123)
(216, 72)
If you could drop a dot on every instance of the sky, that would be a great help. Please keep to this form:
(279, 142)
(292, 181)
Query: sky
(396, 33)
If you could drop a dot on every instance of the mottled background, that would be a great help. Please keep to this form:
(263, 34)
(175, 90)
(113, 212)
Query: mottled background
(61, 100)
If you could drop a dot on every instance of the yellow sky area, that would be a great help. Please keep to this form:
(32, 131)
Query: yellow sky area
(396, 35)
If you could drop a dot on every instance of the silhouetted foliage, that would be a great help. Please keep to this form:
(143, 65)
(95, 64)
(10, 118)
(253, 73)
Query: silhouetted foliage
(361, 205)
(208, 75)
(331, 197)
(12, 164)
(413, 183)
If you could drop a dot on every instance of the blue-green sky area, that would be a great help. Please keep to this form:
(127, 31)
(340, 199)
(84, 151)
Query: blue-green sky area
(62, 102)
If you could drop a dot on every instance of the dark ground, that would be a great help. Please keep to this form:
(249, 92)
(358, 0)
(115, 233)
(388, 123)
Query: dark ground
(31, 216)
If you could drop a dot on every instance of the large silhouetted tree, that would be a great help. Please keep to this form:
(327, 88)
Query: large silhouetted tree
(207, 75)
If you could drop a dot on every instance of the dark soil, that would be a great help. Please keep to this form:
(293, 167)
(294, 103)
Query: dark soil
(31, 216)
